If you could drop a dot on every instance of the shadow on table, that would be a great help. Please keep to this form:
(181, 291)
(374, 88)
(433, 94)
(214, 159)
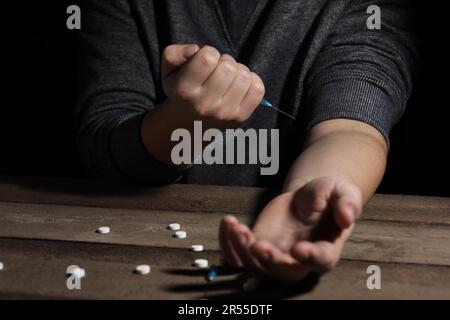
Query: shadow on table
(233, 288)
(54, 190)
(82, 187)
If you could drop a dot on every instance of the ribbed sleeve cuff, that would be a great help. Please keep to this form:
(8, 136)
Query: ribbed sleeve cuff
(131, 157)
(359, 99)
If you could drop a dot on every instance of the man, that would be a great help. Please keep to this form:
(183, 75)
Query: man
(152, 67)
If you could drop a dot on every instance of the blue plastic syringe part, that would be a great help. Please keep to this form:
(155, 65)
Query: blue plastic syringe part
(266, 103)
(212, 273)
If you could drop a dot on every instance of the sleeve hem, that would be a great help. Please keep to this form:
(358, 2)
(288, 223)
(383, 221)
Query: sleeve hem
(131, 157)
(354, 99)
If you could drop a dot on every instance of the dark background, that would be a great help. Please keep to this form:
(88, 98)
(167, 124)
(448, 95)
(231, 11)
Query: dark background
(36, 131)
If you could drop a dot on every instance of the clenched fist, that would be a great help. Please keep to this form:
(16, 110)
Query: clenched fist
(203, 84)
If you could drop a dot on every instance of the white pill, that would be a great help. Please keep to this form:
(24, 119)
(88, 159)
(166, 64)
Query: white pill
(201, 263)
(103, 230)
(174, 226)
(2, 266)
(180, 234)
(197, 247)
(142, 269)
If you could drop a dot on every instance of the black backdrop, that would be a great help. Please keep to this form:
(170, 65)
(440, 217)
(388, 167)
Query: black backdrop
(36, 132)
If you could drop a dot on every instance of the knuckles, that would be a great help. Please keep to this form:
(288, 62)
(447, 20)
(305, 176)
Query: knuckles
(228, 67)
(258, 85)
(209, 56)
(184, 91)
(215, 108)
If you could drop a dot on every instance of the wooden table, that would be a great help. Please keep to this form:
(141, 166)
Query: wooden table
(47, 225)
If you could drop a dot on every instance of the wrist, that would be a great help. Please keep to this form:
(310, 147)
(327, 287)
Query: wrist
(157, 128)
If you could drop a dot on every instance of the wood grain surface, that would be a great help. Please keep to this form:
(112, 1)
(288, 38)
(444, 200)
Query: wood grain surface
(47, 225)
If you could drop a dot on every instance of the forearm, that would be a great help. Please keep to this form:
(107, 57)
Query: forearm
(157, 128)
(349, 149)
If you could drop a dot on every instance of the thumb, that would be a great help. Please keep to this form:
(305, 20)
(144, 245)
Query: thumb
(311, 201)
(347, 204)
(175, 56)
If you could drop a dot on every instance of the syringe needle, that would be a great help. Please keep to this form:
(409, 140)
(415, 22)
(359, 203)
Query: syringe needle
(266, 103)
(282, 112)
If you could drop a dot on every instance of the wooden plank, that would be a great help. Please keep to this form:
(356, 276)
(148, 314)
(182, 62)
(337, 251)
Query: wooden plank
(128, 227)
(36, 269)
(54, 221)
(412, 209)
(385, 241)
(96, 194)
(398, 281)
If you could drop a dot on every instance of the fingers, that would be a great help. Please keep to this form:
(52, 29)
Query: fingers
(347, 206)
(329, 205)
(319, 256)
(226, 225)
(201, 66)
(242, 239)
(210, 86)
(195, 70)
(222, 77)
(265, 259)
(281, 266)
(253, 96)
(311, 201)
(343, 197)
(235, 241)
(238, 90)
(175, 56)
